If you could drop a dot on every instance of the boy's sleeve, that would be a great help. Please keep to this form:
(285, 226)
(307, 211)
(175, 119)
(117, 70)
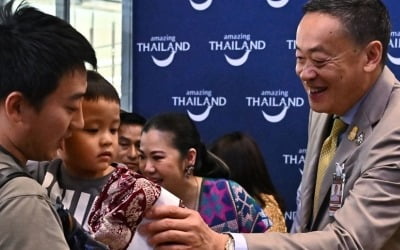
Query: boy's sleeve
(37, 169)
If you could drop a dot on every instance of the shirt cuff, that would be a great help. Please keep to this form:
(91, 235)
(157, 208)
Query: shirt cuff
(240, 241)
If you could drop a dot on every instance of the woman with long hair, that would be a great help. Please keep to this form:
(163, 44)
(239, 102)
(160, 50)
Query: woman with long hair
(247, 166)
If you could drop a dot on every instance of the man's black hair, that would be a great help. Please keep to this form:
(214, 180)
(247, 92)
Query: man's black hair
(364, 20)
(131, 118)
(36, 51)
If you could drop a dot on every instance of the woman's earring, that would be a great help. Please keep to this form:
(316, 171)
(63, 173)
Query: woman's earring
(189, 171)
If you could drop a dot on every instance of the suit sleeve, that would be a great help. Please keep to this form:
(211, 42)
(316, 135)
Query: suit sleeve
(368, 219)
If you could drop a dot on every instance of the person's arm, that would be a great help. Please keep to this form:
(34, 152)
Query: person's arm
(368, 219)
(27, 219)
(179, 228)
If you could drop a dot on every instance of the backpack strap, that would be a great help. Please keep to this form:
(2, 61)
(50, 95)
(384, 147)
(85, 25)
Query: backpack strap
(77, 238)
(9, 173)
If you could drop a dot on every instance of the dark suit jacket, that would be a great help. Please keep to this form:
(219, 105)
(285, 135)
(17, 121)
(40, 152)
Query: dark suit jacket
(370, 216)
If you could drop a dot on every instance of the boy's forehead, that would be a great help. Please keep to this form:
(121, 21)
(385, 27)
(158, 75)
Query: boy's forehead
(100, 101)
(100, 109)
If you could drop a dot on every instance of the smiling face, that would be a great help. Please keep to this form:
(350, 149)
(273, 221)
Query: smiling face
(90, 151)
(330, 65)
(160, 161)
(128, 145)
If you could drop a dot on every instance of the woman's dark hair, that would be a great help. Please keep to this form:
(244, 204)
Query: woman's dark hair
(185, 136)
(246, 163)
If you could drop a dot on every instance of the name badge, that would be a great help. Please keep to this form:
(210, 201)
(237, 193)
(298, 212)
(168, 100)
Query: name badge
(336, 197)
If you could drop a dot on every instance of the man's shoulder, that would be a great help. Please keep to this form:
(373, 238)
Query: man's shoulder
(19, 185)
(22, 186)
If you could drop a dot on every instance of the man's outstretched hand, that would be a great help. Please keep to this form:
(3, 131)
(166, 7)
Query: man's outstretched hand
(176, 228)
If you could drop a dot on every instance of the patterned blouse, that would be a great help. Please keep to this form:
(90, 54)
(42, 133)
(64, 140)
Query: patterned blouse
(226, 207)
(275, 214)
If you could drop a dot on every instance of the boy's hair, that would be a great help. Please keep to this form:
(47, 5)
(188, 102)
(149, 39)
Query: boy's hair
(36, 51)
(131, 118)
(99, 87)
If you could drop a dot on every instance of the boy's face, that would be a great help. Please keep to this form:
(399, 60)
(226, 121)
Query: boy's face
(61, 113)
(90, 151)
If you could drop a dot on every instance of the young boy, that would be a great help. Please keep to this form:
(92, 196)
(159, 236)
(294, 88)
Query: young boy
(85, 158)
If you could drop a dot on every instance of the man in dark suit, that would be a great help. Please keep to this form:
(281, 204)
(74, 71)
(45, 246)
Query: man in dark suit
(341, 48)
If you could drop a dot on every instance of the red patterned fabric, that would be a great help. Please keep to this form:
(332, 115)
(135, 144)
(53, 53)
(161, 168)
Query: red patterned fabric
(120, 207)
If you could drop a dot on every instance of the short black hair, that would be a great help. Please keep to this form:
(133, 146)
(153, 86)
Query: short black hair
(36, 51)
(364, 20)
(99, 87)
(131, 118)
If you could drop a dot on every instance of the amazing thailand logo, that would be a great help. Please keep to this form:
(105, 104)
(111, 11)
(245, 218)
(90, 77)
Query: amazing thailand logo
(240, 42)
(274, 104)
(200, 99)
(163, 49)
(277, 3)
(394, 45)
(200, 6)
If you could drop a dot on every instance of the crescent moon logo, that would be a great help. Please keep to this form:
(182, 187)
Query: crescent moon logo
(239, 61)
(200, 117)
(277, 4)
(165, 62)
(276, 118)
(201, 6)
(394, 60)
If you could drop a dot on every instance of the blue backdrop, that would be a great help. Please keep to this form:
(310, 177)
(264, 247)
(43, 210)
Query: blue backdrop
(230, 66)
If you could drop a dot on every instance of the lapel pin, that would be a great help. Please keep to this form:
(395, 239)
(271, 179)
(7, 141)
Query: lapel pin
(360, 138)
(352, 134)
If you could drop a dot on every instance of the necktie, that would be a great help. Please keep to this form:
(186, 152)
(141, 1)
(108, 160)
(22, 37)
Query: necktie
(327, 152)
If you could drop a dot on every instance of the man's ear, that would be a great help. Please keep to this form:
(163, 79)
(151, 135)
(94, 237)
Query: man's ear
(14, 105)
(373, 52)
